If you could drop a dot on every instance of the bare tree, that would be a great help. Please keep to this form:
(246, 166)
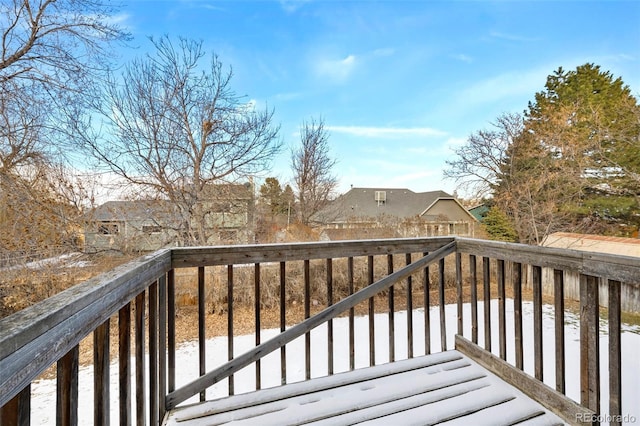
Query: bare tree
(59, 43)
(173, 126)
(313, 170)
(479, 161)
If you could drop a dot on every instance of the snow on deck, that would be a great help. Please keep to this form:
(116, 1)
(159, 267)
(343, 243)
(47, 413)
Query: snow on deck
(444, 387)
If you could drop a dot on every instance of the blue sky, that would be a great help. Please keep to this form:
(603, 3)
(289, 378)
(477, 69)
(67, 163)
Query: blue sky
(398, 83)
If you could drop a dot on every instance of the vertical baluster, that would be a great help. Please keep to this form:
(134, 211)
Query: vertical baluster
(307, 313)
(283, 322)
(615, 367)
(517, 314)
(409, 309)
(230, 307)
(17, 412)
(257, 300)
(589, 343)
(141, 393)
(459, 292)
(486, 302)
(330, 322)
(67, 389)
(502, 326)
(124, 364)
(391, 317)
(202, 338)
(352, 346)
(537, 322)
(427, 309)
(443, 319)
(153, 353)
(372, 312)
(474, 298)
(558, 298)
(101, 374)
(171, 327)
(162, 345)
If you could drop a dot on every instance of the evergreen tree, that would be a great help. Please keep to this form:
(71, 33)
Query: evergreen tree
(496, 223)
(576, 165)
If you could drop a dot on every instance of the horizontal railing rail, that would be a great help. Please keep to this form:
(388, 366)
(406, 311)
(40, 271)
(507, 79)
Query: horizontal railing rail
(139, 302)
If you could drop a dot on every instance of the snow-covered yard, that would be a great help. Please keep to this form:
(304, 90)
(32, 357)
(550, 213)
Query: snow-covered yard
(44, 397)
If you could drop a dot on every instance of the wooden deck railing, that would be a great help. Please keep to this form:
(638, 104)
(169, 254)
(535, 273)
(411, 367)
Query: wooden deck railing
(139, 301)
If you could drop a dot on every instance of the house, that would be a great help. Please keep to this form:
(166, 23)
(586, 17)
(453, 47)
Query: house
(364, 212)
(148, 225)
(479, 211)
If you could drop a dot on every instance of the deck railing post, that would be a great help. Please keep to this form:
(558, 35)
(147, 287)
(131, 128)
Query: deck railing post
(171, 329)
(202, 358)
(372, 312)
(101, 399)
(558, 289)
(162, 345)
(230, 333)
(615, 352)
(473, 272)
(486, 302)
(443, 320)
(153, 353)
(257, 299)
(141, 393)
(517, 314)
(352, 345)
(589, 343)
(502, 326)
(391, 314)
(427, 308)
(67, 389)
(330, 322)
(537, 322)
(459, 292)
(283, 322)
(409, 309)
(17, 412)
(124, 364)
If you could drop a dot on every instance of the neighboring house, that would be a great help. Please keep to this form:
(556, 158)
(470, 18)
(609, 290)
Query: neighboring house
(148, 225)
(479, 212)
(373, 212)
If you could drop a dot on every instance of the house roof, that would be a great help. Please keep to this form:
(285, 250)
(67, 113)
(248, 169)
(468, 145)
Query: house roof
(398, 202)
(164, 210)
(133, 210)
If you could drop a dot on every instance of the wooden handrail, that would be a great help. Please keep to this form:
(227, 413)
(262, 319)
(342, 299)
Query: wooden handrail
(225, 370)
(49, 332)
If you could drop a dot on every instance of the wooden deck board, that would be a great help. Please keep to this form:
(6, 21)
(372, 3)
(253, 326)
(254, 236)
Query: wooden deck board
(445, 387)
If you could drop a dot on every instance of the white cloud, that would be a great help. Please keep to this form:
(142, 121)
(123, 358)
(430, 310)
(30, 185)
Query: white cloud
(379, 132)
(387, 51)
(337, 70)
(291, 6)
(463, 58)
(512, 37)
(506, 85)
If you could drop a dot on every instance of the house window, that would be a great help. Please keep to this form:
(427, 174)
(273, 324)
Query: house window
(151, 229)
(380, 197)
(108, 228)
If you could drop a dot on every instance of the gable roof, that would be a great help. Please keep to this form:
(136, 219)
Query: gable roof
(398, 202)
(133, 210)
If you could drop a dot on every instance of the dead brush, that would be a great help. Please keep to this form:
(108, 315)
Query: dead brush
(244, 282)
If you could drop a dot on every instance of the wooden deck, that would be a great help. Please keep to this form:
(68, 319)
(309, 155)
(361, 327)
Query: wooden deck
(443, 388)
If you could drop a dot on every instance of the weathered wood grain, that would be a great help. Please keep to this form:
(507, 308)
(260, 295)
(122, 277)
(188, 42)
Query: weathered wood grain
(561, 405)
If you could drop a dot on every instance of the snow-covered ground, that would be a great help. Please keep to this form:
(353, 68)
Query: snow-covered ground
(44, 397)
